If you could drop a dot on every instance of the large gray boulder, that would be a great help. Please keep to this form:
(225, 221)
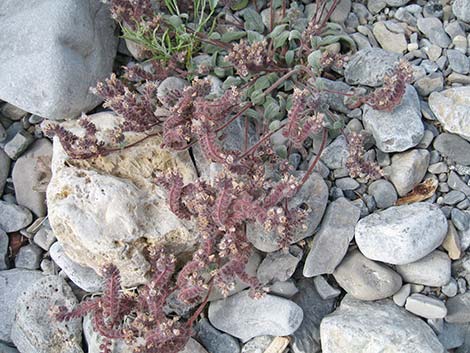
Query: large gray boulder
(52, 52)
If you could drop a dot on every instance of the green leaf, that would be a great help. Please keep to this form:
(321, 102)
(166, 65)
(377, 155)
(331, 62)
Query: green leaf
(314, 60)
(175, 21)
(262, 83)
(213, 4)
(295, 34)
(231, 81)
(290, 57)
(277, 31)
(239, 5)
(253, 21)
(257, 97)
(281, 151)
(274, 125)
(254, 37)
(231, 36)
(251, 113)
(271, 109)
(281, 39)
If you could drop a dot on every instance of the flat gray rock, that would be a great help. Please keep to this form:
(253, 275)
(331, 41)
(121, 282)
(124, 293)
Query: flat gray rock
(401, 234)
(365, 279)
(336, 153)
(14, 217)
(453, 147)
(461, 9)
(432, 270)
(279, 265)
(244, 317)
(313, 194)
(408, 169)
(12, 284)
(306, 339)
(400, 129)
(214, 340)
(4, 169)
(384, 193)
(331, 242)
(434, 30)
(34, 330)
(84, 277)
(70, 47)
(458, 309)
(363, 326)
(424, 306)
(369, 66)
(452, 109)
(29, 257)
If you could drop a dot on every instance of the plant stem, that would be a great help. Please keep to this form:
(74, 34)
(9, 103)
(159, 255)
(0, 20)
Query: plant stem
(315, 161)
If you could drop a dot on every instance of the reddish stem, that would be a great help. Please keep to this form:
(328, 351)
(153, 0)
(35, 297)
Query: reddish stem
(315, 161)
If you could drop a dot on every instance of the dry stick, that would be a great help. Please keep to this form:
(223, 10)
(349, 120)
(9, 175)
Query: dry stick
(315, 161)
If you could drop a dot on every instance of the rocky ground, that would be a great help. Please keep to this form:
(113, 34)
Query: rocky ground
(387, 268)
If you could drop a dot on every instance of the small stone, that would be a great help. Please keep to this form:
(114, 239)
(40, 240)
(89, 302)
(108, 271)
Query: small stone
(360, 326)
(279, 265)
(452, 109)
(375, 6)
(401, 234)
(400, 297)
(257, 345)
(461, 10)
(460, 219)
(4, 169)
(4, 241)
(14, 217)
(331, 242)
(12, 112)
(214, 340)
(456, 183)
(35, 330)
(324, 289)
(458, 309)
(398, 130)
(432, 270)
(29, 257)
(84, 277)
(18, 144)
(450, 289)
(434, 31)
(393, 42)
(453, 147)
(452, 243)
(369, 66)
(438, 168)
(167, 86)
(458, 61)
(430, 83)
(453, 197)
(365, 279)
(426, 140)
(383, 192)
(347, 184)
(244, 317)
(427, 307)
(286, 289)
(336, 153)
(397, 3)
(408, 169)
(44, 237)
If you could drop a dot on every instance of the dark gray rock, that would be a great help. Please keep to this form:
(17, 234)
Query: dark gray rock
(456, 183)
(18, 144)
(279, 265)
(14, 217)
(453, 147)
(336, 153)
(365, 279)
(215, 341)
(306, 339)
(458, 61)
(70, 47)
(369, 66)
(244, 317)
(29, 257)
(365, 326)
(35, 330)
(334, 101)
(401, 234)
(331, 242)
(383, 192)
(12, 284)
(324, 289)
(7, 349)
(4, 241)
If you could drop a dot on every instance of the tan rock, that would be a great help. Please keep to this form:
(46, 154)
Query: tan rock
(452, 243)
(394, 42)
(107, 209)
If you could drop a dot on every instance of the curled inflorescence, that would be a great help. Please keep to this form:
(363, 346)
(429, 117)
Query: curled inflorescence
(356, 163)
(248, 58)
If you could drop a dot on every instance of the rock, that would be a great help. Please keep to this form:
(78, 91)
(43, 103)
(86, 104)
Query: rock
(452, 109)
(331, 242)
(450, 289)
(456, 183)
(313, 195)
(45, 237)
(458, 309)
(4, 240)
(390, 41)
(4, 169)
(432, 270)
(341, 11)
(461, 9)
(18, 144)
(365, 279)
(84, 277)
(453, 197)
(434, 31)
(453, 147)
(34, 330)
(383, 192)
(214, 340)
(427, 307)
(452, 243)
(398, 130)
(369, 66)
(29, 171)
(397, 3)
(7, 349)
(375, 6)
(170, 85)
(192, 346)
(279, 265)
(12, 284)
(362, 326)
(460, 218)
(306, 339)
(114, 198)
(14, 217)
(286, 289)
(78, 35)
(334, 101)
(336, 153)
(257, 345)
(94, 340)
(244, 317)
(324, 289)
(408, 169)
(401, 234)
(347, 184)
(452, 335)
(400, 297)
(29, 257)
(458, 61)
(430, 83)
